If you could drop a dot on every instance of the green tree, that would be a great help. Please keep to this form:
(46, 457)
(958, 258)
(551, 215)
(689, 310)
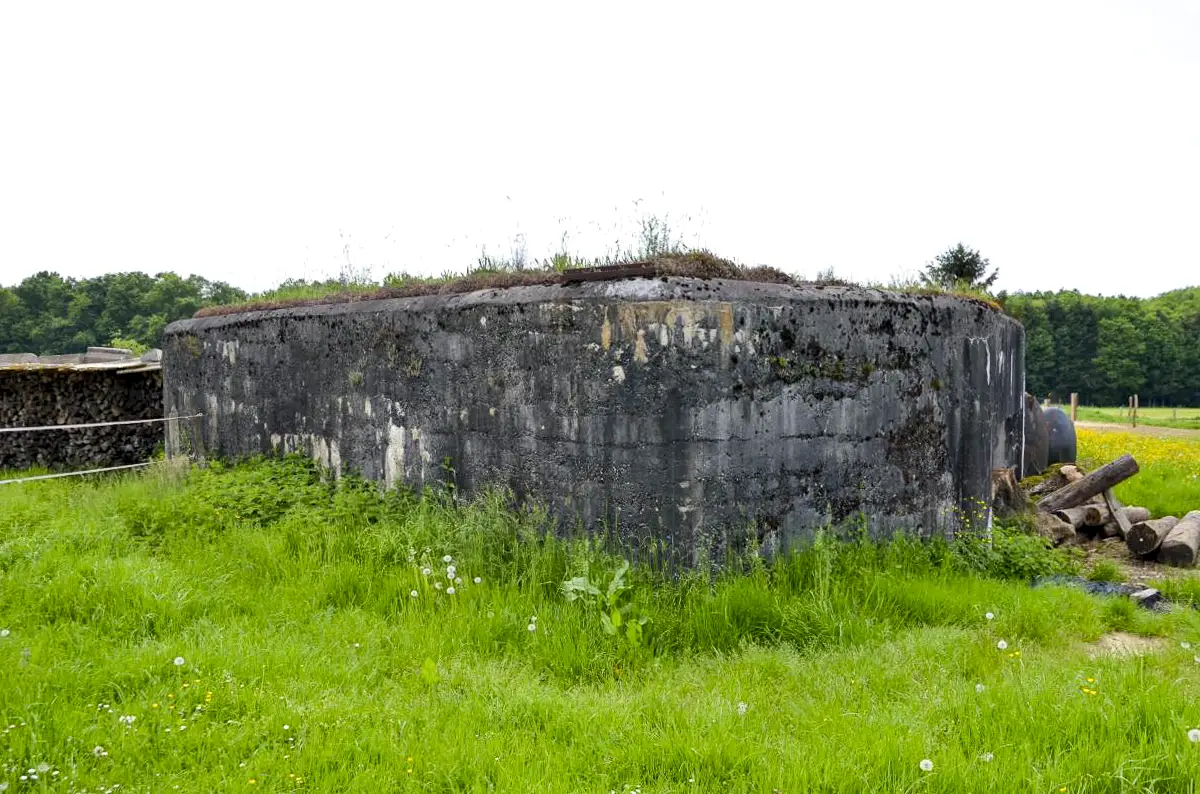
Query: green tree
(1120, 350)
(960, 267)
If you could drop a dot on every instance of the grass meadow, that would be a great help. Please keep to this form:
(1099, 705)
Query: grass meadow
(256, 628)
(1168, 482)
(1181, 418)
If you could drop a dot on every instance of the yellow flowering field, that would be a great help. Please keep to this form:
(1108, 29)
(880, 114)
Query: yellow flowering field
(1169, 480)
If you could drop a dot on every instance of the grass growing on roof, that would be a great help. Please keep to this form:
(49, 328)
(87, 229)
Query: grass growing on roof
(255, 627)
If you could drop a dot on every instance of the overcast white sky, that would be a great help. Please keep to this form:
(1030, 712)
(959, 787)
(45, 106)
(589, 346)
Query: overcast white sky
(251, 142)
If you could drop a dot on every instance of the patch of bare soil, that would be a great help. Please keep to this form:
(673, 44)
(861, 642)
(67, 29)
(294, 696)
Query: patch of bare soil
(1135, 570)
(1123, 644)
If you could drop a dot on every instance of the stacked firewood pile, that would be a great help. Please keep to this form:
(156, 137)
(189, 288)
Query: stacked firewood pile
(1074, 506)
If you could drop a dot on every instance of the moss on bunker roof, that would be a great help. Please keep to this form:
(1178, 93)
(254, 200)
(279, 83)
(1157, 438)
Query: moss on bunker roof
(692, 264)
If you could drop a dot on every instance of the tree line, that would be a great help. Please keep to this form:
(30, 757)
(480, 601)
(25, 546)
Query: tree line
(47, 314)
(1107, 349)
(1103, 348)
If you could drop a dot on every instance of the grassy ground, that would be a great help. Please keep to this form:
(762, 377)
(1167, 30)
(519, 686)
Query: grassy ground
(1182, 418)
(1168, 482)
(254, 629)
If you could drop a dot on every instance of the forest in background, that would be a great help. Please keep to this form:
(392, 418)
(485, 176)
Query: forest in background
(1103, 348)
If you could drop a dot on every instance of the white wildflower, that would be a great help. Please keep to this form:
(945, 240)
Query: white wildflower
(1194, 735)
(99, 752)
(533, 619)
(179, 661)
(450, 591)
(986, 758)
(1002, 645)
(478, 580)
(990, 616)
(979, 688)
(127, 719)
(926, 765)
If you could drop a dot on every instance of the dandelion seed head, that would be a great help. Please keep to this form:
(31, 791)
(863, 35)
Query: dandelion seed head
(426, 571)
(1002, 645)
(414, 593)
(447, 559)
(450, 590)
(990, 616)
(458, 581)
(99, 751)
(4, 633)
(179, 661)
(1187, 646)
(926, 765)
(986, 758)
(451, 571)
(742, 708)
(478, 580)
(979, 689)
(532, 627)
(43, 768)
(1194, 735)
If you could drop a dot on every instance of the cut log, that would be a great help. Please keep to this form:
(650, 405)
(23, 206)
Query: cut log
(1050, 484)
(1077, 493)
(1054, 529)
(1114, 512)
(1182, 543)
(1071, 473)
(1130, 515)
(1075, 516)
(1007, 497)
(1145, 537)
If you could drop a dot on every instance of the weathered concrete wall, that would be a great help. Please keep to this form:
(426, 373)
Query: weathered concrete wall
(674, 409)
(36, 397)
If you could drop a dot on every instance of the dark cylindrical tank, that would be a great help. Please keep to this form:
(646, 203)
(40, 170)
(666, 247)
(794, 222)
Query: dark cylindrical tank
(1061, 436)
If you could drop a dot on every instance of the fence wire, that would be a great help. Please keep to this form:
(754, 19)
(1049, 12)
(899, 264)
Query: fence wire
(84, 425)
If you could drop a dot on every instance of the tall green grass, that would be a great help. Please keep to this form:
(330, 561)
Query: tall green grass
(307, 662)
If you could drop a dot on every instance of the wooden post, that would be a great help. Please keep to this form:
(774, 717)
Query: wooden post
(1135, 410)
(1074, 405)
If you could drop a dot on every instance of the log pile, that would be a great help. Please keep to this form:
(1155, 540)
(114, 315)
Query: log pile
(1081, 507)
(39, 397)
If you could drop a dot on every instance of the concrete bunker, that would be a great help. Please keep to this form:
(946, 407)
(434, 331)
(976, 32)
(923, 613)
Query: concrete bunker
(674, 409)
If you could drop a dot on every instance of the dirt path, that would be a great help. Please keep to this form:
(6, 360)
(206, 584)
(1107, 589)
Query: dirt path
(1141, 430)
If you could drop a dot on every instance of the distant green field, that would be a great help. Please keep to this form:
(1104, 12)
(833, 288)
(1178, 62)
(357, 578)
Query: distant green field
(1183, 418)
